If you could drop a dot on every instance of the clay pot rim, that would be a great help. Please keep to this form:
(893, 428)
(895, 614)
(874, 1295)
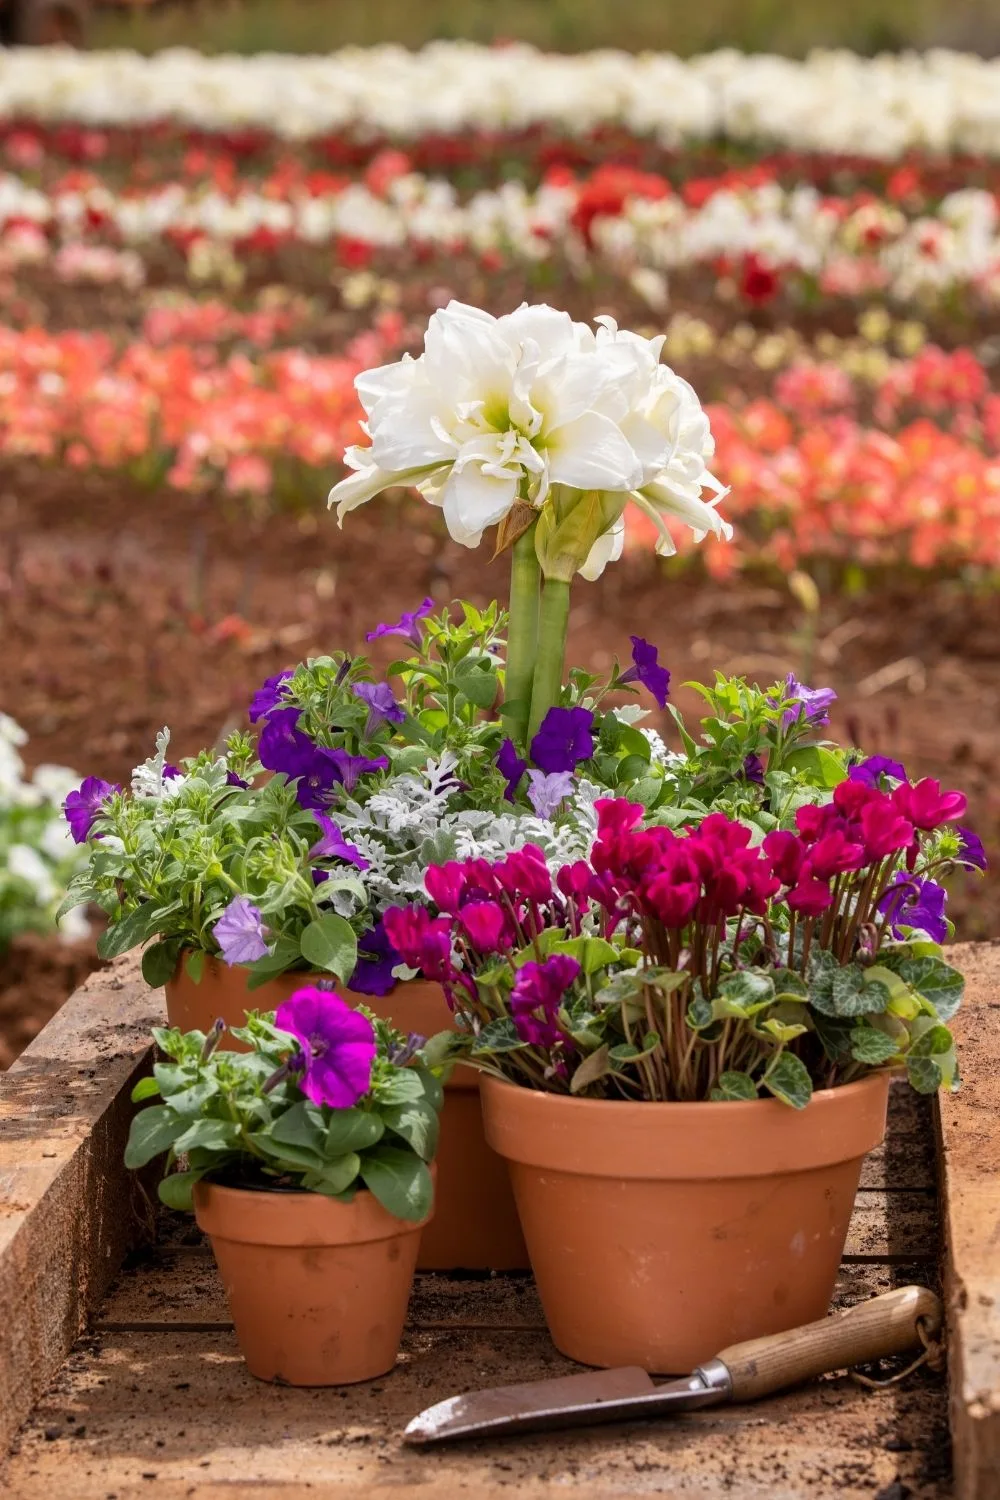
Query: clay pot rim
(297, 1217)
(708, 1140)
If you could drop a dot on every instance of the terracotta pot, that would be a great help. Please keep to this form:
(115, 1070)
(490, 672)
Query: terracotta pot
(475, 1225)
(660, 1233)
(318, 1290)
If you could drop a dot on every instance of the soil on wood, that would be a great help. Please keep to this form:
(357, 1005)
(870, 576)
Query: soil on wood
(122, 611)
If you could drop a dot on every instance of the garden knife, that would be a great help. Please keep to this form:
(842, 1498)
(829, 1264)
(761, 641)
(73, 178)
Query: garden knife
(890, 1324)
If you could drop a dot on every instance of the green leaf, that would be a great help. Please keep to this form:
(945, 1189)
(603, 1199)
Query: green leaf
(848, 991)
(329, 943)
(139, 925)
(351, 1130)
(819, 767)
(789, 986)
(699, 1014)
(146, 1088)
(744, 993)
(405, 1086)
(417, 1124)
(594, 1067)
(153, 1130)
(734, 1085)
(788, 1079)
(159, 962)
(208, 1135)
(195, 965)
(591, 953)
(400, 1181)
(297, 1158)
(498, 1036)
(780, 1031)
(936, 981)
(302, 1125)
(476, 680)
(924, 1074)
(176, 1190)
(190, 1100)
(871, 1046)
(334, 1176)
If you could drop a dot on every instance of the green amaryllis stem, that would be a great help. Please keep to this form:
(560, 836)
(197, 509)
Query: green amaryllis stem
(522, 633)
(551, 651)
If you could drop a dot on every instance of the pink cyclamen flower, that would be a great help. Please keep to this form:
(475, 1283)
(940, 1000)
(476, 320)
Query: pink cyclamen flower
(927, 806)
(337, 1045)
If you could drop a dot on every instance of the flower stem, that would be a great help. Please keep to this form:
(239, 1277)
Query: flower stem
(522, 634)
(551, 651)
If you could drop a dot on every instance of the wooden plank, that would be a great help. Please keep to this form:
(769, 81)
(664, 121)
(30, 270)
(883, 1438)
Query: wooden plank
(170, 1414)
(970, 1188)
(68, 1211)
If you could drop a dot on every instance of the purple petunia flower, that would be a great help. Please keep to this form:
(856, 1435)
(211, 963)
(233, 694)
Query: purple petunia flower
(970, 850)
(547, 790)
(267, 697)
(870, 772)
(563, 739)
(646, 669)
(338, 1046)
(233, 780)
(405, 626)
(511, 766)
(333, 845)
(349, 768)
(812, 704)
(284, 747)
(382, 706)
(83, 807)
(170, 773)
(239, 932)
(376, 960)
(910, 902)
(753, 770)
(541, 987)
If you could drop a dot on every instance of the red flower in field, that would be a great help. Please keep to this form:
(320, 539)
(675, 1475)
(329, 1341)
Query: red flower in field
(384, 169)
(759, 283)
(607, 190)
(354, 254)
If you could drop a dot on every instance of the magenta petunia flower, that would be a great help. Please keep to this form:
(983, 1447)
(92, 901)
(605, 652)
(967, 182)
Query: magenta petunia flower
(337, 1043)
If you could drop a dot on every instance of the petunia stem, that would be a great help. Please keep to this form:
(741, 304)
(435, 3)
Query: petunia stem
(522, 634)
(551, 652)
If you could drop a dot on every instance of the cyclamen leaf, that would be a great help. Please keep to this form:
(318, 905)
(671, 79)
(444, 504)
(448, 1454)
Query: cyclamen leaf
(924, 1074)
(747, 989)
(400, 1181)
(152, 1132)
(733, 1085)
(845, 992)
(699, 1014)
(594, 1067)
(936, 981)
(498, 1036)
(788, 1080)
(591, 953)
(868, 1045)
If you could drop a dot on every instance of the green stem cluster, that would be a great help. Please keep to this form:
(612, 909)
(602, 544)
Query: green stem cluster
(536, 645)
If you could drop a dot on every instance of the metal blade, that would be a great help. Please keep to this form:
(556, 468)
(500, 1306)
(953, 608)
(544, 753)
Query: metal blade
(572, 1401)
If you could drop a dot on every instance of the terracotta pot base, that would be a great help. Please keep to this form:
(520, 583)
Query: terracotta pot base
(660, 1233)
(475, 1225)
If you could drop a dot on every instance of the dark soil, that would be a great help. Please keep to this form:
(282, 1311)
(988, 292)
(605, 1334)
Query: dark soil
(36, 976)
(122, 611)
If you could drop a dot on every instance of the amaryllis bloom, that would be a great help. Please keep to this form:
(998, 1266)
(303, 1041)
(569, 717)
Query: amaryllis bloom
(914, 903)
(540, 987)
(423, 942)
(564, 739)
(647, 670)
(337, 1044)
(376, 960)
(548, 790)
(269, 695)
(349, 769)
(407, 625)
(811, 704)
(333, 845)
(870, 772)
(382, 706)
(927, 806)
(239, 932)
(82, 808)
(511, 767)
(970, 850)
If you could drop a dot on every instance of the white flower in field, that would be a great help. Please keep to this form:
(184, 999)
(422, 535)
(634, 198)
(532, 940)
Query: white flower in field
(25, 863)
(495, 409)
(73, 925)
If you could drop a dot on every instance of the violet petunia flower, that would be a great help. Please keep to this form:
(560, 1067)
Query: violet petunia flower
(233, 780)
(376, 960)
(811, 706)
(910, 902)
(646, 669)
(870, 772)
(338, 1046)
(564, 739)
(511, 767)
(83, 807)
(349, 768)
(753, 770)
(547, 790)
(284, 747)
(239, 932)
(406, 625)
(333, 845)
(269, 695)
(970, 850)
(540, 987)
(382, 706)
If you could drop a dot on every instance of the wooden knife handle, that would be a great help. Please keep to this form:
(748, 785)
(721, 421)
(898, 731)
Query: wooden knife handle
(883, 1325)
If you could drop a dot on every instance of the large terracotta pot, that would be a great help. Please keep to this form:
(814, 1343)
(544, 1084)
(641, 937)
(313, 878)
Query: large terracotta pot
(475, 1225)
(661, 1233)
(318, 1290)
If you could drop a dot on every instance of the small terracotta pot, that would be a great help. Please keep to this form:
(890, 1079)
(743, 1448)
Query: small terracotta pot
(475, 1225)
(660, 1233)
(318, 1290)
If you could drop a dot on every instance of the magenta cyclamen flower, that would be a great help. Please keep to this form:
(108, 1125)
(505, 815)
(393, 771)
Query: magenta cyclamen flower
(82, 808)
(564, 739)
(646, 669)
(540, 987)
(423, 942)
(407, 625)
(239, 932)
(486, 926)
(927, 806)
(337, 1044)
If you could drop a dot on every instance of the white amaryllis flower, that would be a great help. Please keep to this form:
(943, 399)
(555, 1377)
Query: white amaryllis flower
(497, 410)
